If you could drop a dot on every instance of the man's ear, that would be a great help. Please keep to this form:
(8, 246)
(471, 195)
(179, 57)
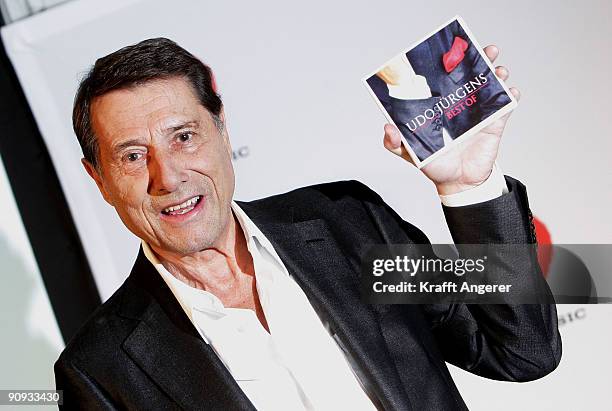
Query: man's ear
(93, 173)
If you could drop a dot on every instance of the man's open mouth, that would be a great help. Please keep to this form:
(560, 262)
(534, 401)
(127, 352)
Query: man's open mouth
(184, 207)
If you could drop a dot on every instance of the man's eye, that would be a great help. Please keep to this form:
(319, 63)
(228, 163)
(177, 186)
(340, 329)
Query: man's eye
(184, 137)
(131, 157)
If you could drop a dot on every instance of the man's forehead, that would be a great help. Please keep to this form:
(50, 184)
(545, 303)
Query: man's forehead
(156, 105)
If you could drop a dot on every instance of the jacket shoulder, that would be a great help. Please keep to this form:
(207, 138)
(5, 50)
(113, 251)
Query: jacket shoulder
(330, 192)
(102, 332)
(350, 209)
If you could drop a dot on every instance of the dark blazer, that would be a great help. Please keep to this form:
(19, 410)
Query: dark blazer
(140, 351)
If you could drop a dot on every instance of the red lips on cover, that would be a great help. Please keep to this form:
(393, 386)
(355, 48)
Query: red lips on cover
(455, 55)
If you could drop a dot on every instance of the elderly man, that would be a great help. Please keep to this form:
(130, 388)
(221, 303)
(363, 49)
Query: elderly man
(242, 305)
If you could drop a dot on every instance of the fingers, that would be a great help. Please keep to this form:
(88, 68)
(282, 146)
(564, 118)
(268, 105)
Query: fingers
(393, 142)
(492, 52)
(502, 72)
(516, 93)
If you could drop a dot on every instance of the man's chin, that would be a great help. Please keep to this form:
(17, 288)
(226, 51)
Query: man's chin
(190, 239)
(187, 247)
(189, 242)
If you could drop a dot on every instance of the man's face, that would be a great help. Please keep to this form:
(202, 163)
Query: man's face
(164, 165)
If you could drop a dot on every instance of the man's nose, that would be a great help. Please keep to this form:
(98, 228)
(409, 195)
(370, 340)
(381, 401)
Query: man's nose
(166, 173)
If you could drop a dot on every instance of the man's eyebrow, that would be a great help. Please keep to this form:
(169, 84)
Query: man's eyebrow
(188, 124)
(127, 143)
(139, 142)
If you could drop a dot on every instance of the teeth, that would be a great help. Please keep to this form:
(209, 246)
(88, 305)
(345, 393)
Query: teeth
(184, 206)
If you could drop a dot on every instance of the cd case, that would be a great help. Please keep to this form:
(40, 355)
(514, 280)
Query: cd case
(440, 91)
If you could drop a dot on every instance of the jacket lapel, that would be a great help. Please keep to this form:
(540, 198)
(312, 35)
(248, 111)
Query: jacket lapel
(166, 345)
(168, 348)
(314, 259)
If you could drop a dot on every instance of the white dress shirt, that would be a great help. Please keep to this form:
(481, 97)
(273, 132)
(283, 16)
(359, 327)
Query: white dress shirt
(298, 365)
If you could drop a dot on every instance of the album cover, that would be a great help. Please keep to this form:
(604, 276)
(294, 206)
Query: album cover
(440, 91)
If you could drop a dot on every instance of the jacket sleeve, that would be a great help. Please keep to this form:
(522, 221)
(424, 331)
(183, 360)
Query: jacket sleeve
(511, 342)
(80, 391)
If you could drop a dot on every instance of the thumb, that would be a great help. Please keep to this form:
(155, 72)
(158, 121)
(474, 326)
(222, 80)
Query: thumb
(393, 142)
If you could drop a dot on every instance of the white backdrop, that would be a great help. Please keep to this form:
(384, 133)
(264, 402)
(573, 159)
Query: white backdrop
(31, 340)
(289, 74)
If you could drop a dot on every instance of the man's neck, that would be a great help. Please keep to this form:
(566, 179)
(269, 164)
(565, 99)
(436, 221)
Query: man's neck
(221, 269)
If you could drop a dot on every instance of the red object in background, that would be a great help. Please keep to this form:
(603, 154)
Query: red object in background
(544, 239)
(455, 55)
(213, 81)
